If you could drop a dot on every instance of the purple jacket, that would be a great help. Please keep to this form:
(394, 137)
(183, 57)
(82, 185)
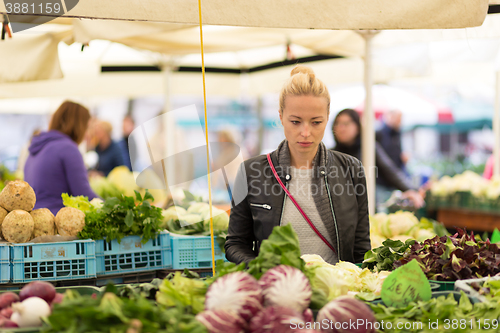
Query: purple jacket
(55, 166)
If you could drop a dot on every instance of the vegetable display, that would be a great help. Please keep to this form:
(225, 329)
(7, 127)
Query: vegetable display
(402, 226)
(441, 314)
(457, 257)
(344, 278)
(346, 309)
(110, 313)
(239, 292)
(120, 217)
(382, 258)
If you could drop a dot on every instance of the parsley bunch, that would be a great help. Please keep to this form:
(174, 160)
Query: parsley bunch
(120, 217)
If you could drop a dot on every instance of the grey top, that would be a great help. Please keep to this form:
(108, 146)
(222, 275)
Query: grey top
(301, 189)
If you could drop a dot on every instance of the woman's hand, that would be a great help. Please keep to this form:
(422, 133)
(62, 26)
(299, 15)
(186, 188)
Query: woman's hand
(416, 198)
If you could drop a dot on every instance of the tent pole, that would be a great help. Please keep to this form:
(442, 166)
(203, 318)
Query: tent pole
(168, 125)
(496, 127)
(368, 132)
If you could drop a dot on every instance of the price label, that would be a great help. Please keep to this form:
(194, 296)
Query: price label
(406, 284)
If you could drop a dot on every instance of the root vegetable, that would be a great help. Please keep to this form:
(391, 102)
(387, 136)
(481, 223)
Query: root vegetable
(3, 214)
(7, 312)
(17, 227)
(17, 194)
(58, 298)
(6, 299)
(44, 222)
(7, 323)
(70, 221)
(29, 312)
(41, 289)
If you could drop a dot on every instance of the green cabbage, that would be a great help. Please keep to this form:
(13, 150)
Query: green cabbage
(220, 218)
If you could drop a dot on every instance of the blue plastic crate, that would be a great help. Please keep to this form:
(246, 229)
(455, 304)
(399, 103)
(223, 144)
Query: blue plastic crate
(4, 263)
(53, 261)
(131, 255)
(194, 251)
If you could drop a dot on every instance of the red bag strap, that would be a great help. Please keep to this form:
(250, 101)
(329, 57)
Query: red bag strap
(297, 205)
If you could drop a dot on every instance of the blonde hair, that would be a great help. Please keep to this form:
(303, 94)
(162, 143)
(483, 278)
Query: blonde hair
(106, 127)
(303, 81)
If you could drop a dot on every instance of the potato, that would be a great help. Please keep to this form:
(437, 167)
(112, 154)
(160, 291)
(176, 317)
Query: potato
(44, 222)
(70, 221)
(17, 227)
(17, 194)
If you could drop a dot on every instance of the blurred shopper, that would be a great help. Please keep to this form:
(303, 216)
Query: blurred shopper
(24, 153)
(347, 133)
(55, 165)
(110, 153)
(389, 138)
(127, 144)
(488, 168)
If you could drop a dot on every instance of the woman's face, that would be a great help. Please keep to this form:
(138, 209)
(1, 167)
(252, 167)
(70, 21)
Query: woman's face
(304, 119)
(345, 129)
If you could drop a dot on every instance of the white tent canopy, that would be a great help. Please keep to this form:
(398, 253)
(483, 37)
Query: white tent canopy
(322, 14)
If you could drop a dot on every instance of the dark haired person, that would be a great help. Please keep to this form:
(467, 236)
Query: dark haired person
(55, 165)
(347, 133)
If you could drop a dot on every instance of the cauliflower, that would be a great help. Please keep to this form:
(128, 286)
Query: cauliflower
(424, 234)
(220, 218)
(198, 208)
(399, 223)
(188, 219)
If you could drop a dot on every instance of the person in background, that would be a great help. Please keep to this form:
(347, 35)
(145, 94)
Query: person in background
(347, 133)
(389, 138)
(127, 144)
(55, 165)
(24, 153)
(488, 168)
(110, 154)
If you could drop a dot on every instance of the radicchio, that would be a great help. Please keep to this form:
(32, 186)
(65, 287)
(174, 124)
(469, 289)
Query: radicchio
(239, 292)
(277, 319)
(346, 309)
(286, 286)
(222, 321)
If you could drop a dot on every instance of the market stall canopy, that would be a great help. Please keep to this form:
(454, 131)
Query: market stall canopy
(321, 14)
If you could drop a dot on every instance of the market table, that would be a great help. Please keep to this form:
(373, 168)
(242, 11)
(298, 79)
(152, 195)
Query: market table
(471, 219)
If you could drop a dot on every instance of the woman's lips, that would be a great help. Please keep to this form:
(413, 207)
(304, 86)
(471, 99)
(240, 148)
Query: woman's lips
(305, 144)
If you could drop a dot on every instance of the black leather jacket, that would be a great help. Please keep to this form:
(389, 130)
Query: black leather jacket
(255, 214)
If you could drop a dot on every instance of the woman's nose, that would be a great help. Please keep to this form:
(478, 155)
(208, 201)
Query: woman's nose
(305, 131)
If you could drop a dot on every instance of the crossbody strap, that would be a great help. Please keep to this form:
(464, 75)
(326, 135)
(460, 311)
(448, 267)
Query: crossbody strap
(297, 205)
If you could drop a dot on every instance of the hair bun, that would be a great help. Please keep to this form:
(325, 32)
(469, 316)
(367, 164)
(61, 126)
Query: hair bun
(301, 69)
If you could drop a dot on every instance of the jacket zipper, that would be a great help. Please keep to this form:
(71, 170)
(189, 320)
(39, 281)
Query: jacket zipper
(284, 200)
(333, 213)
(265, 206)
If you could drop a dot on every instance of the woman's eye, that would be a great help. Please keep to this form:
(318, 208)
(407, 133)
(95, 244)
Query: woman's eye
(317, 122)
(295, 122)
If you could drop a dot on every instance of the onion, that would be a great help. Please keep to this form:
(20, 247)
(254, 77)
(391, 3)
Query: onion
(222, 321)
(239, 292)
(6, 299)
(29, 312)
(44, 290)
(286, 286)
(276, 319)
(348, 310)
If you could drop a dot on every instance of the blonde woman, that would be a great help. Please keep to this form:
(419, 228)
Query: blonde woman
(321, 193)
